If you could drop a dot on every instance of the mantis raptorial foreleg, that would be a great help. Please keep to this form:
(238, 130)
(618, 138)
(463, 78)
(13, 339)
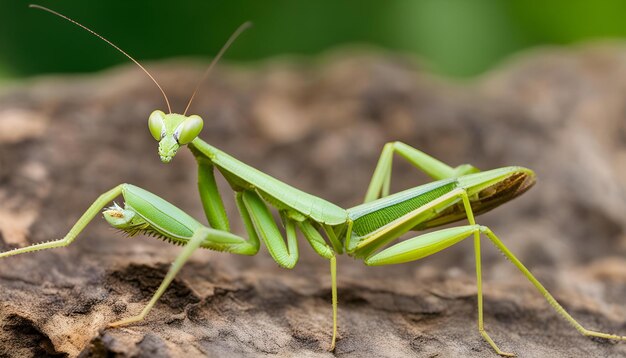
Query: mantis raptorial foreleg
(285, 255)
(136, 218)
(255, 212)
(381, 179)
(209, 194)
(256, 217)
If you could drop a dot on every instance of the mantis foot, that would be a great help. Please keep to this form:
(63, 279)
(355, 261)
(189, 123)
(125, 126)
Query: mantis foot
(127, 321)
(494, 346)
(594, 334)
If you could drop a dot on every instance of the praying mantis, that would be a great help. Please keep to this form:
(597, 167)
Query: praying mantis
(366, 232)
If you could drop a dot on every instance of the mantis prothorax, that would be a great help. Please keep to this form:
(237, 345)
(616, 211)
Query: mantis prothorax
(365, 232)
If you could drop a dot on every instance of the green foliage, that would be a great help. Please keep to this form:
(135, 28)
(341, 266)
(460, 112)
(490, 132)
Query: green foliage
(457, 37)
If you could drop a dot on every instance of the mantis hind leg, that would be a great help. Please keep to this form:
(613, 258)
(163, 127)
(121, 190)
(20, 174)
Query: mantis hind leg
(430, 243)
(553, 302)
(381, 179)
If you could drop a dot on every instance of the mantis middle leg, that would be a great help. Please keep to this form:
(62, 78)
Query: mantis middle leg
(258, 219)
(323, 249)
(381, 179)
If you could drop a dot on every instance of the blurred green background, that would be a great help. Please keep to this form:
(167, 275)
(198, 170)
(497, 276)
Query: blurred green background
(459, 38)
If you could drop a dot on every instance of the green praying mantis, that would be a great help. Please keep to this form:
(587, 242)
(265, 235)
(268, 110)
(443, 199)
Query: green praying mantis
(366, 232)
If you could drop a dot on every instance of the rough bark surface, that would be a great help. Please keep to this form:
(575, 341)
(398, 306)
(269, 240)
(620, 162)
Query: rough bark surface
(319, 126)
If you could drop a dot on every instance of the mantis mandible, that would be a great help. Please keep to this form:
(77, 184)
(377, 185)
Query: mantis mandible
(366, 232)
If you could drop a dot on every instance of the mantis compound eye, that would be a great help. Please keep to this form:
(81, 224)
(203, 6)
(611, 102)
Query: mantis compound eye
(188, 130)
(156, 124)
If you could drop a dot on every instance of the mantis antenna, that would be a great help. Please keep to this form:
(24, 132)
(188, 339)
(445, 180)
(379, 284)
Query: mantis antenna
(169, 108)
(230, 41)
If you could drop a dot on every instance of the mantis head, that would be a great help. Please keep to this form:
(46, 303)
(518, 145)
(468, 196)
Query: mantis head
(172, 131)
